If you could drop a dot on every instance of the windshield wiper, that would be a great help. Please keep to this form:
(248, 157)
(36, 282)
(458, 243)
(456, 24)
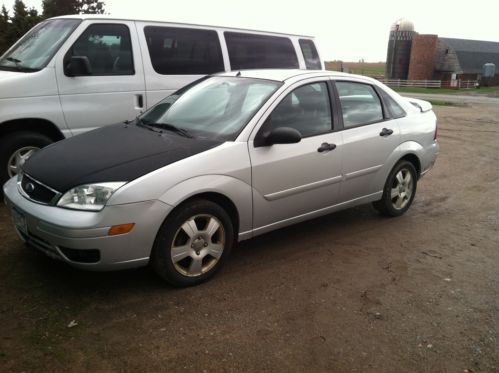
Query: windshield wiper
(12, 59)
(169, 127)
(18, 66)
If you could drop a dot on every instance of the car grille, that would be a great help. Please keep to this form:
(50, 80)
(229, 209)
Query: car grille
(38, 192)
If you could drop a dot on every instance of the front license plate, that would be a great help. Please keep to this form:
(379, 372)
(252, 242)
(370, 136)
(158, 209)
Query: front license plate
(19, 221)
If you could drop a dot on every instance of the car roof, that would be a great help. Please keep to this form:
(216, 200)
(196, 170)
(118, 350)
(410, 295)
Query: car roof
(111, 18)
(282, 75)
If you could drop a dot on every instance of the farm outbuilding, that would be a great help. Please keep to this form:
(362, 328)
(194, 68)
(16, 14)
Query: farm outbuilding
(413, 56)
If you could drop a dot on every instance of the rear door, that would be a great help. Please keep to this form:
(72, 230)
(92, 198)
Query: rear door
(370, 136)
(290, 180)
(114, 91)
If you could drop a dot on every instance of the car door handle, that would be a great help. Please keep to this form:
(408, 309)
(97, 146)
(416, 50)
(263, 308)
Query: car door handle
(325, 147)
(385, 132)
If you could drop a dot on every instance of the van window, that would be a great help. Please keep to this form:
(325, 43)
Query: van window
(312, 61)
(184, 51)
(250, 51)
(38, 46)
(107, 47)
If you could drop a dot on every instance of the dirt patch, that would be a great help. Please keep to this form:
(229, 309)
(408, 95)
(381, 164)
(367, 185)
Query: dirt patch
(351, 291)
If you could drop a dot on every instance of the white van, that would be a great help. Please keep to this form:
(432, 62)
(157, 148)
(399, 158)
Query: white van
(70, 74)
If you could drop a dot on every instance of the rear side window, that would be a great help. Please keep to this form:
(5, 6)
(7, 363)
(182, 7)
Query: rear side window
(360, 104)
(312, 61)
(250, 51)
(107, 47)
(395, 110)
(184, 51)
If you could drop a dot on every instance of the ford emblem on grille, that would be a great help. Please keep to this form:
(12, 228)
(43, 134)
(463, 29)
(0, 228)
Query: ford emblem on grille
(30, 187)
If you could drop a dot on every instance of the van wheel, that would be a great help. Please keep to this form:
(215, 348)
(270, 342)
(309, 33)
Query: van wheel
(193, 243)
(16, 148)
(399, 190)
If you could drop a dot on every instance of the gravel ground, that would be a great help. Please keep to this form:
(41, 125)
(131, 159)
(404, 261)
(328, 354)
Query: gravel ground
(351, 291)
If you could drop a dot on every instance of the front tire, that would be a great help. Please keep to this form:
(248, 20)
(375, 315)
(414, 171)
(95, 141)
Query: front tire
(16, 148)
(193, 243)
(399, 190)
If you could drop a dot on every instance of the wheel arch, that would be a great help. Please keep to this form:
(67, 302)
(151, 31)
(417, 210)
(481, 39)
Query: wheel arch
(220, 199)
(39, 125)
(414, 159)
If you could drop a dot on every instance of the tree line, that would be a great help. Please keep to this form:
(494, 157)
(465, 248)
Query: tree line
(15, 23)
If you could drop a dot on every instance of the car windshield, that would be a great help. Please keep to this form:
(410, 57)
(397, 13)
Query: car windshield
(36, 48)
(216, 107)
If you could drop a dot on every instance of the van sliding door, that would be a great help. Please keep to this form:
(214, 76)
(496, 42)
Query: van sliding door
(176, 56)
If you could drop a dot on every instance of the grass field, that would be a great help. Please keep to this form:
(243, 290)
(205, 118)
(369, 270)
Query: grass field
(361, 68)
(451, 91)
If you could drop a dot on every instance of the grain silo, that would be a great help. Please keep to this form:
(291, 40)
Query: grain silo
(399, 49)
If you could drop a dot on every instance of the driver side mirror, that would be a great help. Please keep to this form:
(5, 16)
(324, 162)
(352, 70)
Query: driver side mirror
(280, 135)
(78, 66)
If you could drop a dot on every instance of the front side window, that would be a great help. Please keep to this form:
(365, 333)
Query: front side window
(306, 109)
(214, 108)
(360, 104)
(108, 48)
(312, 61)
(184, 51)
(38, 46)
(252, 51)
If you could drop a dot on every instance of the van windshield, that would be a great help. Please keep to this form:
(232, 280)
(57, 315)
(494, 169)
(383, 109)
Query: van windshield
(215, 107)
(34, 51)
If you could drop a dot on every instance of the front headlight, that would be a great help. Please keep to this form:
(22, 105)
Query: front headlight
(90, 197)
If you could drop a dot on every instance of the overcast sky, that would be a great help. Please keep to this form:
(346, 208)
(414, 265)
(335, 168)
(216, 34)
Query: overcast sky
(347, 30)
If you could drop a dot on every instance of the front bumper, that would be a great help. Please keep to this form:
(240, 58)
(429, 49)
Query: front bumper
(60, 232)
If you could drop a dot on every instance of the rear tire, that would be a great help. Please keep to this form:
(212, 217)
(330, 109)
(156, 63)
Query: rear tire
(399, 190)
(20, 146)
(193, 243)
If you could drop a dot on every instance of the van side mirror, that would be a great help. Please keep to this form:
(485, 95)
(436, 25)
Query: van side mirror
(281, 135)
(78, 66)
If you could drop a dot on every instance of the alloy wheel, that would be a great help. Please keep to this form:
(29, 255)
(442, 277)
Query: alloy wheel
(17, 159)
(402, 189)
(198, 245)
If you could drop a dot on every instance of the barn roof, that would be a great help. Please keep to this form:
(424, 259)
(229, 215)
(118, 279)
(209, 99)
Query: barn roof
(473, 54)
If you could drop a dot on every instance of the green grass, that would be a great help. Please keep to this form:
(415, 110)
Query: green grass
(446, 90)
(444, 103)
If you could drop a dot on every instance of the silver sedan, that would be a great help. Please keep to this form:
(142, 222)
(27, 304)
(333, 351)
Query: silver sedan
(224, 159)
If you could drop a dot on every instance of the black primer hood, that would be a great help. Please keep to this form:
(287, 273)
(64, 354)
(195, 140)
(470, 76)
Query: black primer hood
(114, 153)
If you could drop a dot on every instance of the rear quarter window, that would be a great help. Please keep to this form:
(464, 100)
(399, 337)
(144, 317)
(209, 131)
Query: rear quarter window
(252, 51)
(312, 60)
(393, 107)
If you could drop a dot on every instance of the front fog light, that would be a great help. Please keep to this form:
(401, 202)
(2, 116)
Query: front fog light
(90, 197)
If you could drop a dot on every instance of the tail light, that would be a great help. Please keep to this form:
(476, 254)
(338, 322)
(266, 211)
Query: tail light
(436, 132)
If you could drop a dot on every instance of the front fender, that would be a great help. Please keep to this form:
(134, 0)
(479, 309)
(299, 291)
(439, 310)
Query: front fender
(236, 190)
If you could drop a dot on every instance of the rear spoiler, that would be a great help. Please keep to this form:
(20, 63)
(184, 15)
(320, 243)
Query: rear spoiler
(424, 106)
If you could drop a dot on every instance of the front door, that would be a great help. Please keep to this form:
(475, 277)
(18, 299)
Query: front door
(114, 90)
(290, 180)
